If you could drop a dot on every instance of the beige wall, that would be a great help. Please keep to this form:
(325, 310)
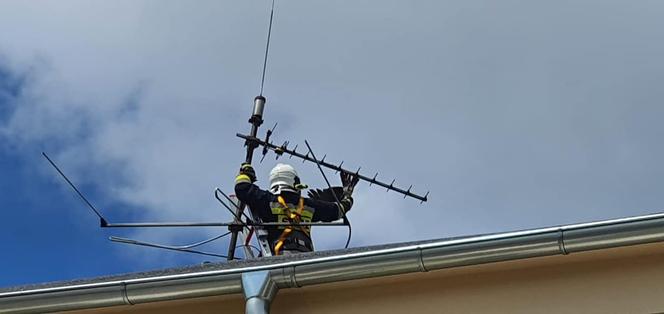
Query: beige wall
(623, 280)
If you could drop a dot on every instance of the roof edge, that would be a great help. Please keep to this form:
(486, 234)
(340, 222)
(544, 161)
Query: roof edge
(563, 240)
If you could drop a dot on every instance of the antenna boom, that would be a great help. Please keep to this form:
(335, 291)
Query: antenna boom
(372, 180)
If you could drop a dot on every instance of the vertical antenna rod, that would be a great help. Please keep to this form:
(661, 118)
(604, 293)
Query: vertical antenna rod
(267, 48)
(256, 120)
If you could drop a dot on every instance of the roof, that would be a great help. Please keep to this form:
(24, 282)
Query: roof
(332, 266)
(226, 265)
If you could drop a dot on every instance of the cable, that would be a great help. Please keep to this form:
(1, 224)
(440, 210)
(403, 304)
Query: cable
(204, 241)
(267, 48)
(350, 233)
(172, 248)
(343, 213)
(251, 246)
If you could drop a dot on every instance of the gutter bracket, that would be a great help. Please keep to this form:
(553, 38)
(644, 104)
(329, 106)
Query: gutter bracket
(125, 295)
(561, 242)
(420, 259)
(259, 291)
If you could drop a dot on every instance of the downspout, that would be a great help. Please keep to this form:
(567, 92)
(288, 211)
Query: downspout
(259, 291)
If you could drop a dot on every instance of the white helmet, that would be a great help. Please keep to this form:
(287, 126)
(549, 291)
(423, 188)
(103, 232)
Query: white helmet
(283, 178)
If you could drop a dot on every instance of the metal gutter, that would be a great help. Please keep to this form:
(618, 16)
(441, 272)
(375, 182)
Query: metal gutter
(415, 258)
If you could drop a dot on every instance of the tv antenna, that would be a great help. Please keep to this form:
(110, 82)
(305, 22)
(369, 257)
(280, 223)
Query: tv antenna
(245, 223)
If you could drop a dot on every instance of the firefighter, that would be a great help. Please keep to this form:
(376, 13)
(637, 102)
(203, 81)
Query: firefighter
(284, 204)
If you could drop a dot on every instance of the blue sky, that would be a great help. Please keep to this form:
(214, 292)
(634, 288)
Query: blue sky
(514, 114)
(47, 234)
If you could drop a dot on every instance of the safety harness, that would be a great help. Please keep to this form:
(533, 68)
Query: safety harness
(294, 218)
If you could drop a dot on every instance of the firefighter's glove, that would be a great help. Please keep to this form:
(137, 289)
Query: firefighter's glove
(349, 180)
(326, 195)
(247, 170)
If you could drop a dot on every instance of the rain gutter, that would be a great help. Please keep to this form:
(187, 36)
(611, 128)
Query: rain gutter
(560, 240)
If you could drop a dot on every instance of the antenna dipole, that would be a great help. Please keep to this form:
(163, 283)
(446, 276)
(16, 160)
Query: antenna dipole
(102, 221)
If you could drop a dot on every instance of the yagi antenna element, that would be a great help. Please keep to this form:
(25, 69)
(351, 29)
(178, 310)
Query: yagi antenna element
(279, 150)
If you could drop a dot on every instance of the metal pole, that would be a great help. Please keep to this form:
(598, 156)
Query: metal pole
(256, 120)
(214, 224)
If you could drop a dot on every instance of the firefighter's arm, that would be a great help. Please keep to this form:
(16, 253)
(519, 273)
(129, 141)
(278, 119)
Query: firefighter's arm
(325, 203)
(249, 193)
(327, 208)
(329, 211)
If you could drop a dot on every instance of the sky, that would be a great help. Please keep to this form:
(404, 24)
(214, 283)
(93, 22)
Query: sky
(514, 114)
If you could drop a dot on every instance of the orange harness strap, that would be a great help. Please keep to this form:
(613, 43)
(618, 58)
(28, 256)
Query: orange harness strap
(294, 218)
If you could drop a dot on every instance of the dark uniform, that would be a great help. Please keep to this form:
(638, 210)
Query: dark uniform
(288, 207)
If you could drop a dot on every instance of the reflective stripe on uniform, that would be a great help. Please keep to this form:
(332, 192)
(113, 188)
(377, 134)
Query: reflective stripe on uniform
(281, 212)
(242, 178)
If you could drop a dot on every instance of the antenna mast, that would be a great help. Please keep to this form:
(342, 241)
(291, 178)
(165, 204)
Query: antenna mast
(252, 223)
(256, 120)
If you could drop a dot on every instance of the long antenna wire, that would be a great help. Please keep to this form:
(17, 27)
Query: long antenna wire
(267, 48)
